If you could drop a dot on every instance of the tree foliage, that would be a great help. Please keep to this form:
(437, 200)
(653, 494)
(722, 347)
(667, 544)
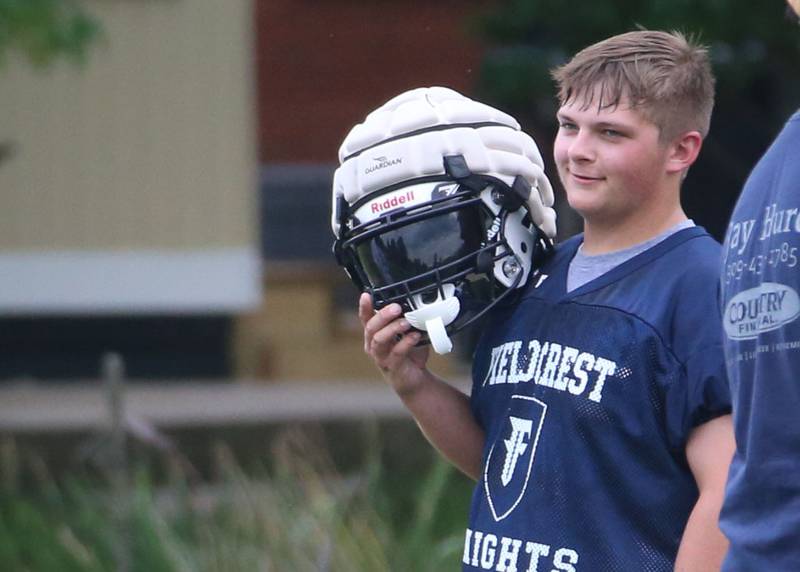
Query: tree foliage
(749, 41)
(755, 52)
(43, 30)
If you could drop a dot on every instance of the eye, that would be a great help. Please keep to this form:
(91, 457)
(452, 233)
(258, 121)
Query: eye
(613, 133)
(567, 125)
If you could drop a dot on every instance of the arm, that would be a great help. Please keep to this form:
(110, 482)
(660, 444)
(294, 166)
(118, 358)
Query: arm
(709, 452)
(441, 411)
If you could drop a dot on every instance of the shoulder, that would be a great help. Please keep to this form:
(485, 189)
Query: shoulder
(793, 124)
(686, 261)
(778, 162)
(675, 290)
(701, 255)
(692, 266)
(696, 242)
(694, 321)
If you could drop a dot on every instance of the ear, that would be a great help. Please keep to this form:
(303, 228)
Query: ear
(683, 151)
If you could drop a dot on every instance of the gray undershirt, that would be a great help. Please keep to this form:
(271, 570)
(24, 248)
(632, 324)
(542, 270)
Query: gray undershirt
(585, 267)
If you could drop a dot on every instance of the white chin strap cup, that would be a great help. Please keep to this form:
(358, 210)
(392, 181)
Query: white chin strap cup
(433, 318)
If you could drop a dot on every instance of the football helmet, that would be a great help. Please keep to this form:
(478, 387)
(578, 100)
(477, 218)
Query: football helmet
(440, 204)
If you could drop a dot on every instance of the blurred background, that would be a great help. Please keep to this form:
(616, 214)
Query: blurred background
(174, 333)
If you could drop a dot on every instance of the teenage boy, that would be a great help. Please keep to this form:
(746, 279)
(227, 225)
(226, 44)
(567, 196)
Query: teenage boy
(598, 426)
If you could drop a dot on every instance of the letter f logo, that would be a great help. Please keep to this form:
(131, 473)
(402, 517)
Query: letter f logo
(516, 445)
(510, 460)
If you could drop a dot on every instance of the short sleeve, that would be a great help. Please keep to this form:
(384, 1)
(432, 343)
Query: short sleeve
(698, 393)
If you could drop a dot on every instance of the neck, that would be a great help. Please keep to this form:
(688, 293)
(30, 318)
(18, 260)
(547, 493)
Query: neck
(601, 237)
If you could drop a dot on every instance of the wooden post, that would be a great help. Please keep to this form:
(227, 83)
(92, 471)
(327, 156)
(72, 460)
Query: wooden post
(113, 369)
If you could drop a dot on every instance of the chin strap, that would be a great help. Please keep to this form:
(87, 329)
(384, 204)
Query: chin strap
(432, 318)
(440, 341)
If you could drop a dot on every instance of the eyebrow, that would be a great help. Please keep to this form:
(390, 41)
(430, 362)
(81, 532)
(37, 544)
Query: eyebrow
(595, 125)
(561, 115)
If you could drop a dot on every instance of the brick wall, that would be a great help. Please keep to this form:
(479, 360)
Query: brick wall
(323, 64)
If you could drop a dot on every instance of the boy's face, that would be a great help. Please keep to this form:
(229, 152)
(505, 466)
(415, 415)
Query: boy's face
(610, 161)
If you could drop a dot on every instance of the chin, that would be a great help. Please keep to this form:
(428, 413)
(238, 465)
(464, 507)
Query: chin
(581, 203)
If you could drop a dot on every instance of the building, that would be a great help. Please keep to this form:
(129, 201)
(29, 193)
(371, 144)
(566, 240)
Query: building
(169, 200)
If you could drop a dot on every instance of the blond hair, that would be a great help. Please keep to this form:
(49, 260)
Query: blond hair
(665, 76)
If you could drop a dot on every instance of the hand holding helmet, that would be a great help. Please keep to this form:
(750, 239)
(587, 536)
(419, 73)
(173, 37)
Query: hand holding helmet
(440, 204)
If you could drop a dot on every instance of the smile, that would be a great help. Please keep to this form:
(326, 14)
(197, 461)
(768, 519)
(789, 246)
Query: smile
(585, 178)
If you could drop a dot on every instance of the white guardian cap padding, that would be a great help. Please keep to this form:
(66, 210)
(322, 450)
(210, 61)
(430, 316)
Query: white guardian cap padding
(408, 137)
(440, 204)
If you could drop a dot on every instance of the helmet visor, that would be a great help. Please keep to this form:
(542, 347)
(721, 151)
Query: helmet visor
(405, 252)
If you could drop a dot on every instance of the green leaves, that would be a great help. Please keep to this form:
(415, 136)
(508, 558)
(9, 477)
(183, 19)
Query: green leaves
(42, 30)
(304, 513)
(748, 41)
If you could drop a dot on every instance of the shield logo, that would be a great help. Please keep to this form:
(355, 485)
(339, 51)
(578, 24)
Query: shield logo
(508, 466)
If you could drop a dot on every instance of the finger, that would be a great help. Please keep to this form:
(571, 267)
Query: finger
(392, 355)
(400, 350)
(381, 319)
(365, 308)
(365, 312)
(391, 334)
(406, 343)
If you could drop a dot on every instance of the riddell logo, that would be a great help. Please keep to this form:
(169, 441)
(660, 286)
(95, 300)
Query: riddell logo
(381, 163)
(493, 230)
(395, 201)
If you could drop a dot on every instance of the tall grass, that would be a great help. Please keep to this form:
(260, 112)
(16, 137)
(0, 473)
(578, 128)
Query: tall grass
(298, 512)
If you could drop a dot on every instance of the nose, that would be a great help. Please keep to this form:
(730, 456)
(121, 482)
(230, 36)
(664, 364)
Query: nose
(580, 149)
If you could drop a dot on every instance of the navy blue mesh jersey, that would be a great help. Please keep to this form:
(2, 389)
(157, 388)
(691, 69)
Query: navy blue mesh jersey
(761, 304)
(587, 399)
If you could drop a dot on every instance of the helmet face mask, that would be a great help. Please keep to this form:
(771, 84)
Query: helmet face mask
(433, 242)
(406, 243)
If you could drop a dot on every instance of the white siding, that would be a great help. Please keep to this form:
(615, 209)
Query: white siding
(148, 151)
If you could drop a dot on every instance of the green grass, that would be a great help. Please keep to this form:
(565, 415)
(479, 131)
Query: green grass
(295, 511)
